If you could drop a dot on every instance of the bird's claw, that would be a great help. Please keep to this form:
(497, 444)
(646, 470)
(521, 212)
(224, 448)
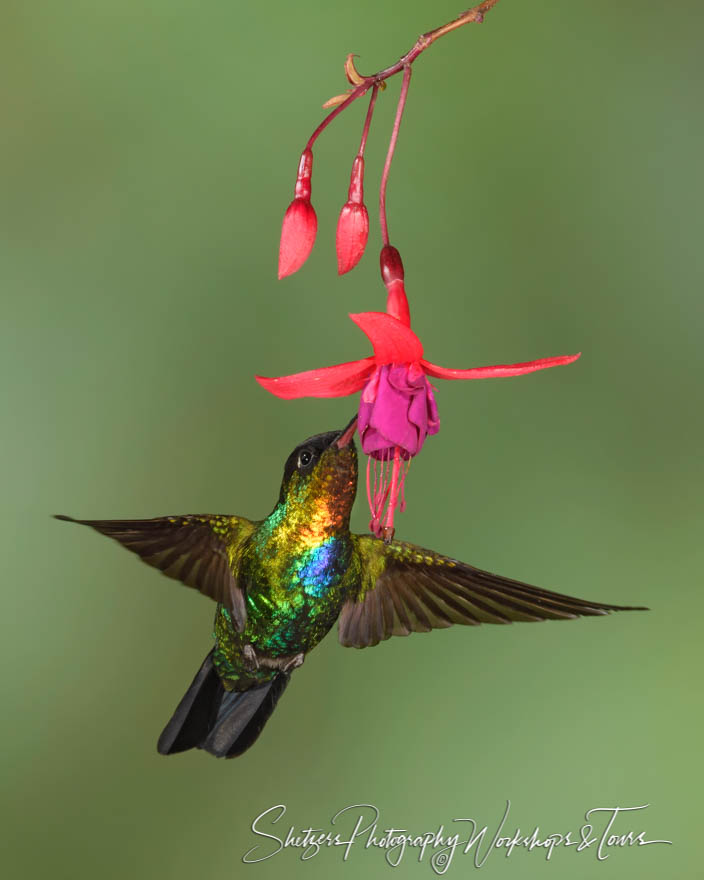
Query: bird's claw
(294, 662)
(250, 657)
(254, 662)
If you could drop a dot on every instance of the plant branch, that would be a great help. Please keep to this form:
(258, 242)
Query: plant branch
(475, 14)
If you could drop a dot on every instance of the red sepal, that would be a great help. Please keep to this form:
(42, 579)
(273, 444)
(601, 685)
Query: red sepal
(337, 381)
(501, 370)
(393, 341)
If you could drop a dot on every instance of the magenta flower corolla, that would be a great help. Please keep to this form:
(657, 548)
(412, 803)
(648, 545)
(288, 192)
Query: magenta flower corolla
(397, 409)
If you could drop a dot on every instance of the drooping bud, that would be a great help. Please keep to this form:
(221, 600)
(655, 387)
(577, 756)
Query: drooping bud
(353, 223)
(392, 275)
(300, 223)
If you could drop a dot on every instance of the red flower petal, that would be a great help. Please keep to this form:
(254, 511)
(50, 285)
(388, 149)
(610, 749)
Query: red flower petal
(337, 381)
(498, 371)
(393, 341)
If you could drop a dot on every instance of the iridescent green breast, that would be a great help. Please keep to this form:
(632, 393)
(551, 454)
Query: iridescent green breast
(293, 598)
(292, 601)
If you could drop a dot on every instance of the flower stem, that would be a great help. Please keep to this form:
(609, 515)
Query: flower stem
(368, 121)
(354, 94)
(390, 153)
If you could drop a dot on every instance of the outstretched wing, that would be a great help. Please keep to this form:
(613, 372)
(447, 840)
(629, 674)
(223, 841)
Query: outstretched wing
(199, 550)
(405, 589)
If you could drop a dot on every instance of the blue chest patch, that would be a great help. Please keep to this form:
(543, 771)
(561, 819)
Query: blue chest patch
(319, 571)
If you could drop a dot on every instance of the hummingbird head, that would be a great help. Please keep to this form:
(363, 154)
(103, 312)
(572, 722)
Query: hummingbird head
(321, 475)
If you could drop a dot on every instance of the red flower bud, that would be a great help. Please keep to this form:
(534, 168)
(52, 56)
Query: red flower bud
(300, 223)
(353, 224)
(352, 234)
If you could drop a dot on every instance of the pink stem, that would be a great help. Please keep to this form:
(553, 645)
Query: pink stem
(368, 120)
(390, 153)
(354, 94)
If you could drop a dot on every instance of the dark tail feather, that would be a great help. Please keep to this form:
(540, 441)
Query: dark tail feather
(194, 715)
(241, 717)
(224, 723)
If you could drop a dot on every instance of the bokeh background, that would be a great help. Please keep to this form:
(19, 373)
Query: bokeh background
(546, 197)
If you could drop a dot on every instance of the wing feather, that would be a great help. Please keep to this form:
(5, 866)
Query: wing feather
(200, 551)
(404, 588)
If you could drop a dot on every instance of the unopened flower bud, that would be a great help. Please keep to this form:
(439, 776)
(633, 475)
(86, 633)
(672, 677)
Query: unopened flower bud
(300, 223)
(353, 223)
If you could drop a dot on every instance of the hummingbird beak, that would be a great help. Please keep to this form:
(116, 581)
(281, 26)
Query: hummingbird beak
(347, 433)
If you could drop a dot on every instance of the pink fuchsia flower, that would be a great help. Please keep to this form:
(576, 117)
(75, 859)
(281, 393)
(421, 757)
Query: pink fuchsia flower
(300, 223)
(397, 409)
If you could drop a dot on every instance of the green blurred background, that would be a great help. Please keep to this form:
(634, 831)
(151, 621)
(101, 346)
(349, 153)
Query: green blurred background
(546, 197)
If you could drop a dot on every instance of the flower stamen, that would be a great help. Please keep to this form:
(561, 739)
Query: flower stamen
(386, 480)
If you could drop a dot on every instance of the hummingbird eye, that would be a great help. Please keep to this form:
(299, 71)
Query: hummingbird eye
(305, 457)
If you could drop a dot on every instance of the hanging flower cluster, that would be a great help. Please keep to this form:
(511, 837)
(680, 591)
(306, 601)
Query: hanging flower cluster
(397, 408)
(300, 223)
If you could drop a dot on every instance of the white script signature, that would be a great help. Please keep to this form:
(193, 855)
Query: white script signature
(359, 826)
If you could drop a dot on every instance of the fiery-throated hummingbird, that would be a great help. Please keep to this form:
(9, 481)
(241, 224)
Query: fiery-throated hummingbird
(282, 582)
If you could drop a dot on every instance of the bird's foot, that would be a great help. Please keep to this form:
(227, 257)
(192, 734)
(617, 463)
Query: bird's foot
(294, 662)
(251, 661)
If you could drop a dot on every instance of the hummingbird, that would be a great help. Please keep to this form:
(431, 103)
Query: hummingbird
(281, 583)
